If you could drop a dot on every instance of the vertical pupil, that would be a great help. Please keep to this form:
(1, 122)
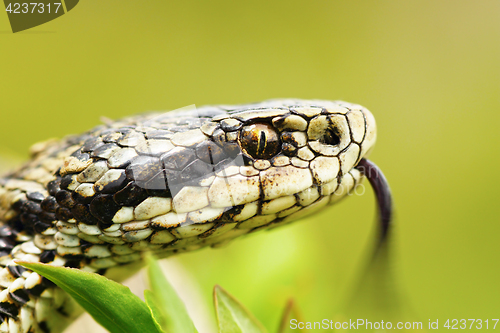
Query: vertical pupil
(262, 143)
(260, 140)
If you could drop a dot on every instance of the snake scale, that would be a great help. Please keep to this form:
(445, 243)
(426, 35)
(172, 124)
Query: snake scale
(167, 183)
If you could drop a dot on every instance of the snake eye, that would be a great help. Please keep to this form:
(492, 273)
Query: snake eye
(331, 137)
(260, 141)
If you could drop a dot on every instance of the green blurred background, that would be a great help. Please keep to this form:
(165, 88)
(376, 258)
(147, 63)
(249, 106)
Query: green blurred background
(429, 71)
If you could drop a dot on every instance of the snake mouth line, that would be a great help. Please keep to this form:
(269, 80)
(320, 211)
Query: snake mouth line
(383, 196)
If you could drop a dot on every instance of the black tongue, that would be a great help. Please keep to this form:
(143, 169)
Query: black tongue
(376, 295)
(383, 195)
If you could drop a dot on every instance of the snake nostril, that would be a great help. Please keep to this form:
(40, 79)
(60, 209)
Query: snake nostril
(331, 137)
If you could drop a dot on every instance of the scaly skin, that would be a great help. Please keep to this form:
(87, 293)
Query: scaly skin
(168, 183)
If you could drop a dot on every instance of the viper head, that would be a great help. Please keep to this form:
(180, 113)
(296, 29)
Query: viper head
(199, 177)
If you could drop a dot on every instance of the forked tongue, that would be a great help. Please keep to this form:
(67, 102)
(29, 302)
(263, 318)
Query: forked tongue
(375, 295)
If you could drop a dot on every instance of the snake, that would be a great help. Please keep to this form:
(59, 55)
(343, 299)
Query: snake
(167, 183)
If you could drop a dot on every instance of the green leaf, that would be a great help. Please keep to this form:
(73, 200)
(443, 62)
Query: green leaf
(167, 308)
(111, 304)
(158, 314)
(291, 312)
(232, 316)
